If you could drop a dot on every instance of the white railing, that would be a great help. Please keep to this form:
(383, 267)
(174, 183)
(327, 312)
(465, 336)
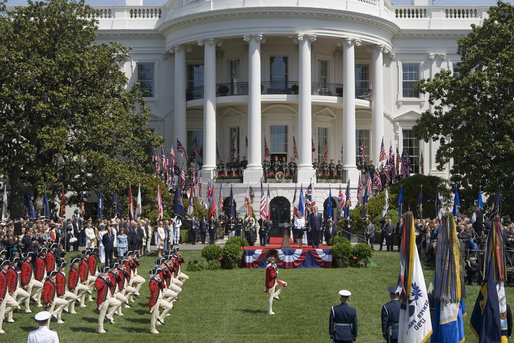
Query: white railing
(126, 12)
(436, 12)
(145, 12)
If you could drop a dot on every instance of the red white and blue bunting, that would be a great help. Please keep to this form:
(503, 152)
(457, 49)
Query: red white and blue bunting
(290, 258)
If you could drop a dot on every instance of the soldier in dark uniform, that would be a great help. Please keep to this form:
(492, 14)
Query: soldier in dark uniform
(228, 169)
(339, 169)
(266, 166)
(343, 320)
(242, 165)
(283, 166)
(331, 168)
(221, 168)
(324, 168)
(275, 165)
(262, 232)
(213, 228)
(203, 229)
(390, 317)
(194, 229)
(292, 167)
(239, 225)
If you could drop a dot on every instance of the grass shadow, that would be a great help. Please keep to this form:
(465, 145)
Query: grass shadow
(28, 328)
(82, 329)
(90, 320)
(138, 320)
(252, 311)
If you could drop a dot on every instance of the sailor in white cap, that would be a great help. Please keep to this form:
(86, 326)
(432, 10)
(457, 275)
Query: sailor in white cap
(43, 334)
(343, 320)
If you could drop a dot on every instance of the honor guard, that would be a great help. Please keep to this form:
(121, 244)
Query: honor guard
(273, 286)
(51, 302)
(106, 304)
(7, 303)
(343, 320)
(60, 283)
(50, 258)
(13, 281)
(39, 275)
(390, 317)
(74, 285)
(27, 279)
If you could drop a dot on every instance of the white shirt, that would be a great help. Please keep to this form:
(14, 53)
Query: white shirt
(299, 223)
(43, 335)
(177, 223)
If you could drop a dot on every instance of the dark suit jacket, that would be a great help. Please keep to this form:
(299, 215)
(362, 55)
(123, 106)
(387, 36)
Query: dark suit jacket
(316, 221)
(108, 241)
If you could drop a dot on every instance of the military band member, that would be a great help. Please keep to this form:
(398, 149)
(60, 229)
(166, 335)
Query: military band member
(15, 290)
(343, 320)
(7, 303)
(136, 280)
(60, 283)
(106, 304)
(28, 280)
(339, 169)
(50, 258)
(51, 302)
(91, 263)
(292, 167)
(273, 286)
(156, 301)
(74, 284)
(39, 275)
(194, 229)
(115, 276)
(390, 317)
(213, 228)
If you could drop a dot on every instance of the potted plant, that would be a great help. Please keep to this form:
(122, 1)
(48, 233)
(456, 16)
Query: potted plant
(294, 89)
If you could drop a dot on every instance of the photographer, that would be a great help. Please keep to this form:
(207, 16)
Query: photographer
(473, 275)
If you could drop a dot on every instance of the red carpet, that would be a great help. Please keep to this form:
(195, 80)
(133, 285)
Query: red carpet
(276, 243)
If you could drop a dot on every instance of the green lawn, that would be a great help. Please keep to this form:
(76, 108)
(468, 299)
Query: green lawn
(230, 306)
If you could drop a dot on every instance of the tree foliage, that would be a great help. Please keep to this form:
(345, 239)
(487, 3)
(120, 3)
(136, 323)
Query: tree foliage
(472, 109)
(68, 117)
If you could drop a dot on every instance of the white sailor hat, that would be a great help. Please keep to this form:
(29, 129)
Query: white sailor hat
(42, 316)
(344, 293)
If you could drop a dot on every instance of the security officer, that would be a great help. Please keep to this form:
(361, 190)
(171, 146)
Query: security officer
(203, 229)
(343, 320)
(390, 317)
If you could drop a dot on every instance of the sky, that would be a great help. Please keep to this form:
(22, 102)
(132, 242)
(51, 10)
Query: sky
(394, 2)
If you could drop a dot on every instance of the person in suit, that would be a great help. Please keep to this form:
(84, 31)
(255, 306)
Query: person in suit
(390, 316)
(330, 230)
(194, 229)
(343, 320)
(316, 224)
(389, 235)
(108, 242)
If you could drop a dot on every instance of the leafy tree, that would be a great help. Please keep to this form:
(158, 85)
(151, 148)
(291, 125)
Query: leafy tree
(472, 110)
(68, 117)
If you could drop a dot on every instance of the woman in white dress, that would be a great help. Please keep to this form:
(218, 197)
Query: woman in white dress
(298, 228)
(161, 236)
(90, 236)
(101, 248)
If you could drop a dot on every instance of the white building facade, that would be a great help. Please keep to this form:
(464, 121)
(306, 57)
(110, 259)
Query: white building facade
(240, 76)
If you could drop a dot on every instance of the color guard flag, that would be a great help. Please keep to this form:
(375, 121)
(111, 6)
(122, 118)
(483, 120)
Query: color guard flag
(295, 208)
(359, 192)
(329, 207)
(163, 159)
(4, 205)
(100, 205)
(220, 199)
(456, 203)
(190, 207)
(248, 201)
(196, 149)
(232, 209)
(383, 155)
(369, 184)
(181, 149)
(386, 203)
(340, 198)
(348, 202)
(172, 159)
(300, 201)
(448, 324)
(480, 202)
(130, 205)
(178, 207)
(116, 204)
(308, 201)
(365, 202)
(158, 203)
(378, 181)
(183, 178)
(400, 202)
(268, 203)
(139, 205)
(415, 325)
(46, 208)
(263, 204)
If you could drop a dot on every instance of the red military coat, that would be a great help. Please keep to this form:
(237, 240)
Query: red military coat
(40, 269)
(102, 288)
(91, 262)
(60, 283)
(26, 273)
(83, 270)
(73, 278)
(271, 276)
(155, 291)
(3, 285)
(50, 261)
(12, 279)
(49, 289)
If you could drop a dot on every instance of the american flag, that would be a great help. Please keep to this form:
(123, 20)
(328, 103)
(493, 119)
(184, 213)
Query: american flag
(220, 201)
(196, 150)
(193, 178)
(295, 150)
(362, 152)
(157, 168)
(181, 149)
(421, 165)
(233, 152)
(263, 204)
(325, 152)
(378, 181)
(158, 204)
(387, 172)
(163, 159)
(172, 158)
(183, 178)
(369, 184)
(391, 155)
(359, 192)
(340, 198)
(200, 187)
(383, 155)
(266, 149)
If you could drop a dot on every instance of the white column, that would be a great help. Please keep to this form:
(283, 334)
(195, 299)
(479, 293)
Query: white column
(180, 97)
(209, 108)
(253, 171)
(349, 161)
(305, 171)
(377, 102)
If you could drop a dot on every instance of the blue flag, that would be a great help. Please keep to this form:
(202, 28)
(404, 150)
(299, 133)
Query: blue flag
(232, 209)
(400, 202)
(365, 203)
(347, 203)
(46, 208)
(178, 207)
(30, 210)
(100, 205)
(329, 209)
(456, 203)
(485, 319)
(300, 201)
(480, 202)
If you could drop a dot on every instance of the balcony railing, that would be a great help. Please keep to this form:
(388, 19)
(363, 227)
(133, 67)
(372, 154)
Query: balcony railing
(272, 87)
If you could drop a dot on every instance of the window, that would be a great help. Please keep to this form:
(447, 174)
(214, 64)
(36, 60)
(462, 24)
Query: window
(322, 140)
(235, 67)
(278, 72)
(411, 146)
(234, 144)
(456, 70)
(194, 81)
(410, 76)
(362, 136)
(322, 73)
(145, 77)
(278, 139)
(361, 80)
(195, 136)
